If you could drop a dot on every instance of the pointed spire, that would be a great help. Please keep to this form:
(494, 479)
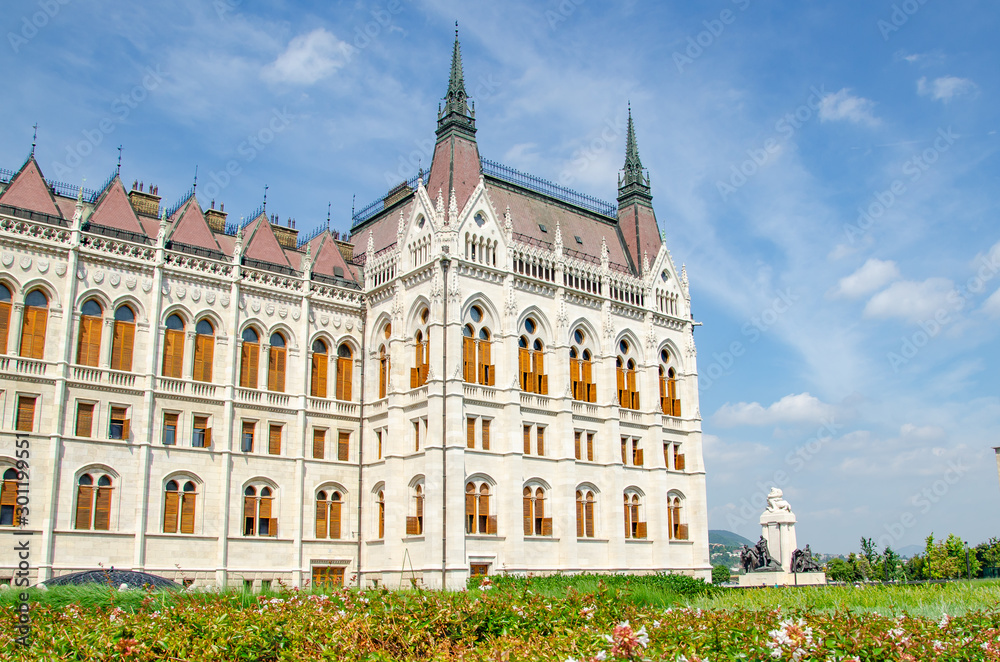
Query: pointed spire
(456, 113)
(633, 182)
(119, 170)
(34, 139)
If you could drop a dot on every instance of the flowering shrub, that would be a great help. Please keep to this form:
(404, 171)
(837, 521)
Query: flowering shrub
(495, 624)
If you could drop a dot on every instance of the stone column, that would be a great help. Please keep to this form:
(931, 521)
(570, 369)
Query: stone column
(778, 529)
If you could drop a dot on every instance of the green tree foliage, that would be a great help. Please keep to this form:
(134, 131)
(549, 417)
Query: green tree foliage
(839, 570)
(720, 574)
(987, 555)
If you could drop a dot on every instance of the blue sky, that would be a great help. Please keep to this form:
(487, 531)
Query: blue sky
(827, 171)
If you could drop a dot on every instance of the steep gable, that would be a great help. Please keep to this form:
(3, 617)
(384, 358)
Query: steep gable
(114, 210)
(28, 190)
(328, 258)
(192, 229)
(263, 245)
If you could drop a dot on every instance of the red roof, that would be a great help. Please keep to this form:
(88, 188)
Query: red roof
(383, 230)
(114, 210)
(262, 244)
(28, 190)
(191, 227)
(640, 231)
(327, 256)
(455, 164)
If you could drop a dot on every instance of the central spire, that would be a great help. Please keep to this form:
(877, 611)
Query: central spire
(633, 182)
(456, 115)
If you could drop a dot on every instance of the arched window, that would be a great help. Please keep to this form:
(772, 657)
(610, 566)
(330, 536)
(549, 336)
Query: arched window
(173, 347)
(320, 361)
(477, 362)
(670, 404)
(328, 514)
(88, 346)
(179, 507)
(675, 518)
(584, 514)
(533, 505)
(380, 504)
(204, 351)
(345, 371)
(258, 511)
(634, 526)
(418, 373)
(36, 315)
(249, 358)
(5, 301)
(276, 363)
(628, 393)
(123, 339)
(478, 519)
(8, 498)
(93, 503)
(530, 359)
(383, 371)
(581, 368)
(415, 522)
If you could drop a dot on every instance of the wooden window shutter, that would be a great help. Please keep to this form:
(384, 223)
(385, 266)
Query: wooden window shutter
(187, 512)
(587, 369)
(126, 428)
(589, 507)
(524, 368)
(319, 444)
(84, 503)
(84, 420)
(640, 530)
(590, 446)
(666, 455)
(677, 408)
(621, 386)
(25, 413)
(88, 348)
(122, 346)
(470, 510)
(527, 440)
(102, 509)
(170, 503)
(276, 370)
(679, 462)
(416, 435)
(638, 458)
(541, 380)
(204, 355)
(485, 358)
(540, 434)
(628, 521)
(469, 359)
(343, 446)
(173, 353)
(264, 511)
(250, 365)
(624, 450)
(574, 377)
(383, 376)
(486, 434)
(576, 444)
(322, 508)
(319, 370)
(344, 378)
(414, 377)
(249, 515)
(335, 519)
(412, 526)
(682, 531)
(526, 514)
(33, 332)
(491, 525)
(4, 326)
(546, 526)
(274, 440)
(470, 432)
(579, 515)
(245, 364)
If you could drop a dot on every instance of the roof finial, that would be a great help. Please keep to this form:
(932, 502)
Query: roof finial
(34, 138)
(264, 208)
(119, 170)
(353, 198)
(194, 188)
(328, 205)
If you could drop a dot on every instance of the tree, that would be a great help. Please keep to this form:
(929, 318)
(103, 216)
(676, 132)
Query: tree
(892, 568)
(987, 555)
(720, 574)
(840, 570)
(871, 567)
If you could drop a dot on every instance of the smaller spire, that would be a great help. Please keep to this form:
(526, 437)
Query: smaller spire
(633, 182)
(328, 205)
(194, 188)
(119, 170)
(34, 139)
(264, 207)
(456, 113)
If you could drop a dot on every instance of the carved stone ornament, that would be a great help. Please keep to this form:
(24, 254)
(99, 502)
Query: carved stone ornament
(243, 303)
(114, 280)
(282, 312)
(81, 272)
(337, 321)
(325, 320)
(26, 262)
(98, 277)
(255, 306)
(61, 269)
(210, 298)
(312, 317)
(296, 314)
(43, 266)
(7, 259)
(181, 291)
(269, 309)
(349, 324)
(196, 295)
(166, 288)
(224, 300)
(130, 282)
(147, 284)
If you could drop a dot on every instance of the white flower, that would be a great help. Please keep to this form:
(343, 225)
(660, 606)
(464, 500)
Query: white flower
(601, 656)
(642, 636)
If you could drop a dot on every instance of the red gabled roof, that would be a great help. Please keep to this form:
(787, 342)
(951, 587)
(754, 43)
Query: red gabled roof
(383, 230)
(327, 256)
(114, 210)
(262, 244)
(640, 231)
(455, 164)
(191, 227)
(28, 190)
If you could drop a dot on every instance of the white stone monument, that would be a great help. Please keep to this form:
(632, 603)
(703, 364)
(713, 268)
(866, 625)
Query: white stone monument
(777, 528)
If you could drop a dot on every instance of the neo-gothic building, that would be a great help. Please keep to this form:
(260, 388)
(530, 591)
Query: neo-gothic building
(491, 374)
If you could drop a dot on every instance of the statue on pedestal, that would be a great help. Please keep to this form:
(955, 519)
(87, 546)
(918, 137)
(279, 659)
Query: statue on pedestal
(757, 558)
(802, 561)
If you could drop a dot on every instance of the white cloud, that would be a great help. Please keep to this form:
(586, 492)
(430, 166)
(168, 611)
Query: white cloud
(873, 275)
(945, 88)
(801, 408)
(911, 300)
(845, 106)
(308, 58)
(992, 305)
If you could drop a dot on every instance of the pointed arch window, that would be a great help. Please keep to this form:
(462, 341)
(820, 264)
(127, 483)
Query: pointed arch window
(415, 522)
(249, 358)
(531, 359)
(418, 373)
(625, 367)
(33, 323)
(383, 371)
(173, 347)
(478, 519)
(258, 511)
(345, 371)
(8, 498)
(635, 527)
(328, 514)
(5, 303)
(320, 362)
(533, 505)
(477, 360)
(204, 351)
(123, 339)
(93, 503)
(584, 514)
(675, 518)
(380, 503)
(670, 404)
(581, 368)
(88, 346)
(276, 363)
(179, 507)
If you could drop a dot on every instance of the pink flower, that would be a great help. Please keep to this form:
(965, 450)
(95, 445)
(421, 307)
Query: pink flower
(626, 642)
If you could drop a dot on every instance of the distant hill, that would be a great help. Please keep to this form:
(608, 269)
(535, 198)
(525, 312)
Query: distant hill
(727, 538)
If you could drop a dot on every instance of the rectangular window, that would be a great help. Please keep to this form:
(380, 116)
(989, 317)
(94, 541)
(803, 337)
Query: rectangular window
(201, 434)
(527, 439)
(666, 455)
(378, 444)
(25, 413)
(636, 453)
(624, 450)
(169, 429)
(327, 576)
(344, 446)
(319, 444)
(486, 434)
(246, 437)
(119, 427)
(470, 432)
(274, 439)
(416, 435)
(576, 444)
(540, 439)
(84, 419)
(678, 458)
(590, 445)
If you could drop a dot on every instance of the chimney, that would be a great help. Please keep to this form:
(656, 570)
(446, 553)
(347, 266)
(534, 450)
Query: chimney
(286, 236)
(145, 203)
(216, 218)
